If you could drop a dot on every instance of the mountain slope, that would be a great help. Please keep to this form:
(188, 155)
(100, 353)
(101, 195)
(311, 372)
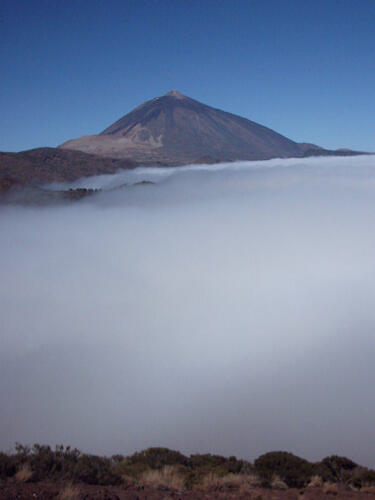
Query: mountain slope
(175, 129)
(41, 165)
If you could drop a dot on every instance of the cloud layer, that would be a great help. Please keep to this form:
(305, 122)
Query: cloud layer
(223, 309)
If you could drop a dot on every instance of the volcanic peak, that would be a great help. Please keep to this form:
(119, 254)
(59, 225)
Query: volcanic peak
(176, 94)
(174, 130)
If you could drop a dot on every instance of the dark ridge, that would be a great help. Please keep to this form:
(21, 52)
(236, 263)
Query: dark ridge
(45, 165)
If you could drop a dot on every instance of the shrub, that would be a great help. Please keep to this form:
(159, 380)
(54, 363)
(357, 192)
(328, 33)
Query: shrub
(168, 477)
(92, 469)
(152, 458)
(330, 488)
(207, 460)
(60, 463)
(169, 468)
(315, 482)
(293, 470)
(336, 469)
(216, 464)
(156, 458)
(362, 477)
(229, 481)
(24, 473)
(8, 465)
(278, 484)
(50, 464)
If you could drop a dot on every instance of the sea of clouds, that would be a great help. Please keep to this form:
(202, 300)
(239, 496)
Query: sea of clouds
(226, 309)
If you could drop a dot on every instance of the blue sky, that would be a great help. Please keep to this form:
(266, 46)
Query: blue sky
(304, 68)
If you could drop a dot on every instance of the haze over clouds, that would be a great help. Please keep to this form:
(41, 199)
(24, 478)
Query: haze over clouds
(225, 309)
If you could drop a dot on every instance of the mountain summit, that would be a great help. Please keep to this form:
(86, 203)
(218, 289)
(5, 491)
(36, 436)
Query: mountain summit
(175, 129)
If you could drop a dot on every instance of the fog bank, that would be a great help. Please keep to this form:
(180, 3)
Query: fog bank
(225, 309)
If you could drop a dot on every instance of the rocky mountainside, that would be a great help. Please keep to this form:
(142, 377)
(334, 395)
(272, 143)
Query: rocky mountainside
(175, 129)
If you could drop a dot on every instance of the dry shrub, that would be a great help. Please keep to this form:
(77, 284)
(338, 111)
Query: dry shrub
(212, 481)
(315, 482)
(278, 484)
(252, 480)
(69, 492)
(330, 488)
(128, 481)
(24, 473)
(248, 484)
(167, 477)
(243, 482)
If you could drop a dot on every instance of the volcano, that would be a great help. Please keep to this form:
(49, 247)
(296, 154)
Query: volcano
(175, 129)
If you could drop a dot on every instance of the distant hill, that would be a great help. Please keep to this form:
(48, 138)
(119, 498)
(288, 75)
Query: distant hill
(175, 129)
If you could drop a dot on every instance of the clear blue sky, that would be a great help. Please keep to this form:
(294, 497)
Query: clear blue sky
(305, 68)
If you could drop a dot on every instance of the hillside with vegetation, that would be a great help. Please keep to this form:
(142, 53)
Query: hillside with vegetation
(67, 473)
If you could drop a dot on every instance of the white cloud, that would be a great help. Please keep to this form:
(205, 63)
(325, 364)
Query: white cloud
(223, 309)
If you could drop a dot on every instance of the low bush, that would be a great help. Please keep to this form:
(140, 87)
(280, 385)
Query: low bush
(93, 469)
(292, 470)
(335, 469)
(168, 477)
(330, 488)
(216, 464)
(169, 468)
(24, 474)
(139, 463)
(192, 469)
(361, 477)
(8, 465)
(62, 463)
(278, 484)
(156, 458)
(243, 482)
(315, 482)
